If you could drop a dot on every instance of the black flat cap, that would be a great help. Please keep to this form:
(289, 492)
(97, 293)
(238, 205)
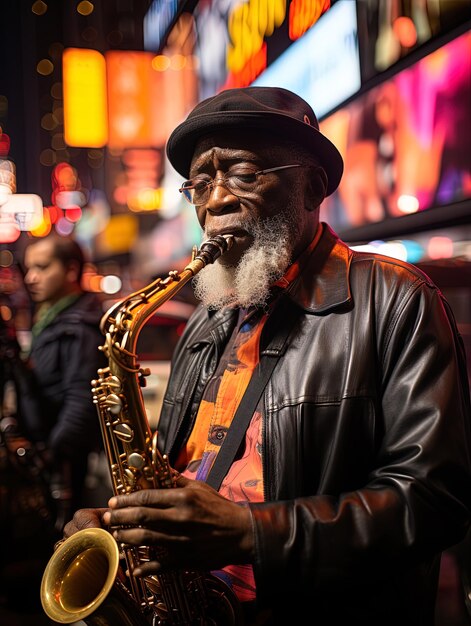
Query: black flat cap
(273, 109)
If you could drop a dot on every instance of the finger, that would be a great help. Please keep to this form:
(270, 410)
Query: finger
(188, 483)
(84, 518)
(69, 530)
(148, 537)
(143, 497)
(148, 568)
(182, 481)
(140, 516)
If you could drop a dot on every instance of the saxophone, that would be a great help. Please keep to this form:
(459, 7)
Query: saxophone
(85, 578)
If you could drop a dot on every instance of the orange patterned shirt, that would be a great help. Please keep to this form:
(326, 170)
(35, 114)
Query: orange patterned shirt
(244, 481)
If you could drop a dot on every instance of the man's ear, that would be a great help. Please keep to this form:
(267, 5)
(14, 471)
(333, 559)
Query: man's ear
(317, 187)
(73, 272)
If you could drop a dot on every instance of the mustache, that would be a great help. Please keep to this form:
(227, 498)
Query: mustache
(228, 230)
(250, 226)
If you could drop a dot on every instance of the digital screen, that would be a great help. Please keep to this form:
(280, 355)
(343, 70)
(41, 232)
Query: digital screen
(392, 29)
(405, 143)
(323, 66)
(238, 39)
(157, 21)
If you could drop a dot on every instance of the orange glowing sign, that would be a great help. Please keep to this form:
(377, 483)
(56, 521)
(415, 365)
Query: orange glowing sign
(85, 103)
(124, 99)
(303, 14)
(129, 102)
(146, 102)
(249, 72)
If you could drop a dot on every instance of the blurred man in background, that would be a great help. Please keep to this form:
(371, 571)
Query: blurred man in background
(63, 359)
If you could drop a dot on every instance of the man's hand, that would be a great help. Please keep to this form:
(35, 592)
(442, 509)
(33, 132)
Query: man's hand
(190, 526)
(84, 518)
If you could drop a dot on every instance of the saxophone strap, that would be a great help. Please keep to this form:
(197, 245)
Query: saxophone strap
(282, 324)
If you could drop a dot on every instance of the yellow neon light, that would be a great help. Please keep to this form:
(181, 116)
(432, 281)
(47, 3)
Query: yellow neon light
(85, 100)
(248, 24)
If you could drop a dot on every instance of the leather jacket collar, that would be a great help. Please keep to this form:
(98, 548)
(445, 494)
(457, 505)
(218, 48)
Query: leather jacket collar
(323, 283)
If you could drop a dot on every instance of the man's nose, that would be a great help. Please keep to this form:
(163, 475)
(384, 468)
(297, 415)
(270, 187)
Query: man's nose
(220, 197)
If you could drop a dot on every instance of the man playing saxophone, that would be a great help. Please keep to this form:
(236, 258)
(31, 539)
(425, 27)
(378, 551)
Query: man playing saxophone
(352, 474)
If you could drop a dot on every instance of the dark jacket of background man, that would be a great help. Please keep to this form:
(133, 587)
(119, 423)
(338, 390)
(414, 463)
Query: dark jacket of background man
(63, 360)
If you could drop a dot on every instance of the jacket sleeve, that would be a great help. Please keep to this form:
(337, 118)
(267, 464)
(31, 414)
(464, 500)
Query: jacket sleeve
(416, 500)
(77, 427)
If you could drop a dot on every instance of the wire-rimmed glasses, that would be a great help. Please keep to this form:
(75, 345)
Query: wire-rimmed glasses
(197, 190)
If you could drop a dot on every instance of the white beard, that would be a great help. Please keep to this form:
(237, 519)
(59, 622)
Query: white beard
(248, 283)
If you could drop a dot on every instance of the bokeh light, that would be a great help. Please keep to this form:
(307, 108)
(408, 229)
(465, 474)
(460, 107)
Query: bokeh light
(39, 7)
(408, 204)
(160, 63)
(85, 7)
(64, 227)
(6, 258)
(404, 29)
(110, 284)
(440, 248)
(9, 230)
(45, 67)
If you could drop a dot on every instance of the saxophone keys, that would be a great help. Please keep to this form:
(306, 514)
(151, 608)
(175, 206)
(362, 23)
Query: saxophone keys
(161, 610)
(153, 585)
(136, 460)
(123, 432)
(142, 373)
(114, 403)
(130, 478)
(113, 382)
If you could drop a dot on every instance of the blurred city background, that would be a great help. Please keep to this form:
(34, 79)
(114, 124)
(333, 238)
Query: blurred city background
(90, 91)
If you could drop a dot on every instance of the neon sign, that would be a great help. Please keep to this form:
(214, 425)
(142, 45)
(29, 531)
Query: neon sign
(303, 14)
(249, 23)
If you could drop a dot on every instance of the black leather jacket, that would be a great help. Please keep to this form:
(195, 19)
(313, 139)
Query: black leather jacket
(366, 440)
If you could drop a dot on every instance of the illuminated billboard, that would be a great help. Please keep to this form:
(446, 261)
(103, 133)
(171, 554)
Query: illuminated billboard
(125, 99)
(238, 39)
(406, 142)
(323, 66)
(85, 100)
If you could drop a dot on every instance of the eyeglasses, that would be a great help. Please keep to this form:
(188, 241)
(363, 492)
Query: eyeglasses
(239, 182)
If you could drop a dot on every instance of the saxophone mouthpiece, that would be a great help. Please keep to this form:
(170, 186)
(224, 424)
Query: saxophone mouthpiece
(214, 247)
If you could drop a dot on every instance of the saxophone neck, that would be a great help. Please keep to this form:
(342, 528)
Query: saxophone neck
(136, 308)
